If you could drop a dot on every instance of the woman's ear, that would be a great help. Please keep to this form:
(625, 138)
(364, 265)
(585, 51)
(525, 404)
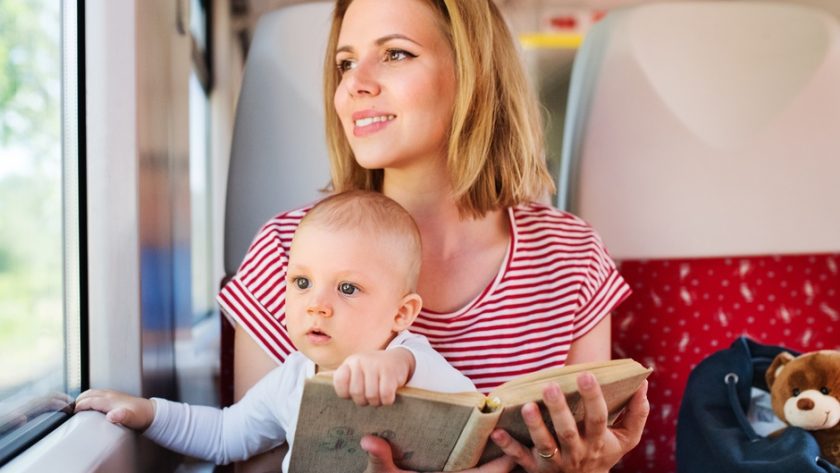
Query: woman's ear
(407, 312)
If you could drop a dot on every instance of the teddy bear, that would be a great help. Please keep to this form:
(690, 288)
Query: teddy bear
(805, 393)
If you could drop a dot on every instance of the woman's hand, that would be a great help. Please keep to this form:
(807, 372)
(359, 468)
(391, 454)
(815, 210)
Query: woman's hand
(595, 448)
(381, 460)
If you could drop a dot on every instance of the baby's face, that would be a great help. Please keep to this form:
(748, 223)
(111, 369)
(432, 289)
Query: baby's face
(343, 291)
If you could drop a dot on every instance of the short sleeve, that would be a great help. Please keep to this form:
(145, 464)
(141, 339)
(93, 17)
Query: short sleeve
(602, 288)
(256, 295)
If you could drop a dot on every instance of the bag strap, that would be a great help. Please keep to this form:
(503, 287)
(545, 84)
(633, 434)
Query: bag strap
(731, 381)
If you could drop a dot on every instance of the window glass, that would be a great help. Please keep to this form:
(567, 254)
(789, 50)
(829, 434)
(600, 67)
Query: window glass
(203, 285)
(39, 368)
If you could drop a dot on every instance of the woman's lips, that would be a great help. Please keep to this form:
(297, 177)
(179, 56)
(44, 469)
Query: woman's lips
(366, 123)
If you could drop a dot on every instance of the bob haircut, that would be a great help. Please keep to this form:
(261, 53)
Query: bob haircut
(495, 152)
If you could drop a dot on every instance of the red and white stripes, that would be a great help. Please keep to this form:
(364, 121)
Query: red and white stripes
(554, 285)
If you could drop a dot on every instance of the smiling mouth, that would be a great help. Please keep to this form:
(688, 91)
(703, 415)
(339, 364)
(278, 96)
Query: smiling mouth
(367, 121)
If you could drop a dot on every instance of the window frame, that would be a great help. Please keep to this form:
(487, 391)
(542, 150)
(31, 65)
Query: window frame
(73, 182)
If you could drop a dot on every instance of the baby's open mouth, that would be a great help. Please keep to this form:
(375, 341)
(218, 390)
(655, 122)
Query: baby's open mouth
(317, 336)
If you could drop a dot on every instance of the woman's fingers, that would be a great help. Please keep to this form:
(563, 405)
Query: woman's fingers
(503, 464)
(380, 457)
(540, 435)
(568, 437)
(515, 450)
(594, 405)
(638, 409)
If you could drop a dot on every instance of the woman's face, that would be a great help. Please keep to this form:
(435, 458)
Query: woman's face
(397, 90)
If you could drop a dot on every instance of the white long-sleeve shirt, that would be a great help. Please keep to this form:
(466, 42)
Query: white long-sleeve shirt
(267, 415)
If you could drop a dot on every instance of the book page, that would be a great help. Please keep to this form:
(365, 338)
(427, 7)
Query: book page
(619, 380)
(529, 387)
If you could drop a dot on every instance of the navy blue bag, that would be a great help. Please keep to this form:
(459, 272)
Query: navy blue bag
(713, 434)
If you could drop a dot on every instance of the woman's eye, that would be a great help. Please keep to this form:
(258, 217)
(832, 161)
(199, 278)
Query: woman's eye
(397, 55)
(344, 65)
(301, 283)
(347, 289)
(796, 392)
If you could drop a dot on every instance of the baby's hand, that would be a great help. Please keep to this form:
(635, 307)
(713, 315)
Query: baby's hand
(120, 408)
(372, 378)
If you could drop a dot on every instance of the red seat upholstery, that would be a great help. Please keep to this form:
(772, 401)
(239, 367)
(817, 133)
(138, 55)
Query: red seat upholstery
(682, 310)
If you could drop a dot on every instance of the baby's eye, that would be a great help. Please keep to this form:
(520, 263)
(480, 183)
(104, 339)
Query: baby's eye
(344, 65)
(796, 392)
(397, 55)
(347, 288)
(301, 282)
(824, 390)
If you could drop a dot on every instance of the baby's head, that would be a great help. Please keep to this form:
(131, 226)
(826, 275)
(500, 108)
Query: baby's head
(352, 275)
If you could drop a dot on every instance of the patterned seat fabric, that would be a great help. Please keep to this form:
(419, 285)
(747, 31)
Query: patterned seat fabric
(682, 310)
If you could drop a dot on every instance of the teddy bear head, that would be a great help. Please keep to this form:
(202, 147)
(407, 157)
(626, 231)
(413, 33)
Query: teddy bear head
(805, 390)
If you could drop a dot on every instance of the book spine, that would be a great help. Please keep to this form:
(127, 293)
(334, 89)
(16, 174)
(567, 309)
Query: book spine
(473, 439)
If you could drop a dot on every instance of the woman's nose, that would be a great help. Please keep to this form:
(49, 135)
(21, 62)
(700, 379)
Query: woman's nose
(362, 80)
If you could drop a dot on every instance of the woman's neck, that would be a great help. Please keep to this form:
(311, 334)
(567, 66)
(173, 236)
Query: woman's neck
(445, 234)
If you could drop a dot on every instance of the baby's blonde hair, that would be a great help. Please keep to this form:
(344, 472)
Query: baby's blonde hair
(495, 153)
(376, 215)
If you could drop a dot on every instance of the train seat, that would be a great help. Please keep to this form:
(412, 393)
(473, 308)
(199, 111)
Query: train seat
(278, 156)
(701, 142)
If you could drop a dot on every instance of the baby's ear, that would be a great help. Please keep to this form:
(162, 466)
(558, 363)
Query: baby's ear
(407, 311)
(776, 367)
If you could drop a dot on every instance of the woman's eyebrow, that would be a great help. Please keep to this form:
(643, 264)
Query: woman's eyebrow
(380, 42)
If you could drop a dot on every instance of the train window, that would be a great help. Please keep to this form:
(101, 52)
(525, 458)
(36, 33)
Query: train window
(204, 284)
(40, 335)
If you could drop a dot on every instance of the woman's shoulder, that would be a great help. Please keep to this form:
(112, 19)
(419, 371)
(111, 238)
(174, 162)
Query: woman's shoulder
(286, 221)
(540, 216)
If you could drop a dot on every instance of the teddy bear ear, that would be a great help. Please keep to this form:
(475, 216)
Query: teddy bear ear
(776, 367)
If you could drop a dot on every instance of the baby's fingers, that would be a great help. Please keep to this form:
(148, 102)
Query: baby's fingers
(120, 415)
(92, 400)
(387, 390)
(341, 381)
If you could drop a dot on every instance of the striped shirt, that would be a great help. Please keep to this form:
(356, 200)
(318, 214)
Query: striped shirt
(555, 283)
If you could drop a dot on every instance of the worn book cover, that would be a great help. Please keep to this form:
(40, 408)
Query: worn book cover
(431, 431)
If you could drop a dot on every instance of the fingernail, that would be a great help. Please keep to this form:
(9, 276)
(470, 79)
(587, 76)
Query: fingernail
(586, 380)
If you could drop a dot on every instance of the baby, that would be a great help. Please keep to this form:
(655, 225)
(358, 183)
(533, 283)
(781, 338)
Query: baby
(350, 298)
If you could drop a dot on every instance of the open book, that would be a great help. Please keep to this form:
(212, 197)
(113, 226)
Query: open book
(431, 431)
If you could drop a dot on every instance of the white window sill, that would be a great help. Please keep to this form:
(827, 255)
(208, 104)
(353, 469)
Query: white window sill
(84, 443)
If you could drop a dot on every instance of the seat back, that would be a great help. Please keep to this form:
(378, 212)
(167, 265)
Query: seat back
(278, 157)
(701, 142)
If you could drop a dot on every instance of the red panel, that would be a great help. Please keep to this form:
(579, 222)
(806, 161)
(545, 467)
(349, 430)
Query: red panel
(683, 310)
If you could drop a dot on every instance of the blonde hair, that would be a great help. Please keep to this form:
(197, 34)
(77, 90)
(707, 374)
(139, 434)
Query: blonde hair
(374, 214)
(495, 153)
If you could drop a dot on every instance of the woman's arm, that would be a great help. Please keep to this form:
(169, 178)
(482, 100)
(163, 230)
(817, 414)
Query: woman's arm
(250, 364)
(595, 345)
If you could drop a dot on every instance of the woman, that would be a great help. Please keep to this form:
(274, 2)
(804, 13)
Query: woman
(427, 102)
